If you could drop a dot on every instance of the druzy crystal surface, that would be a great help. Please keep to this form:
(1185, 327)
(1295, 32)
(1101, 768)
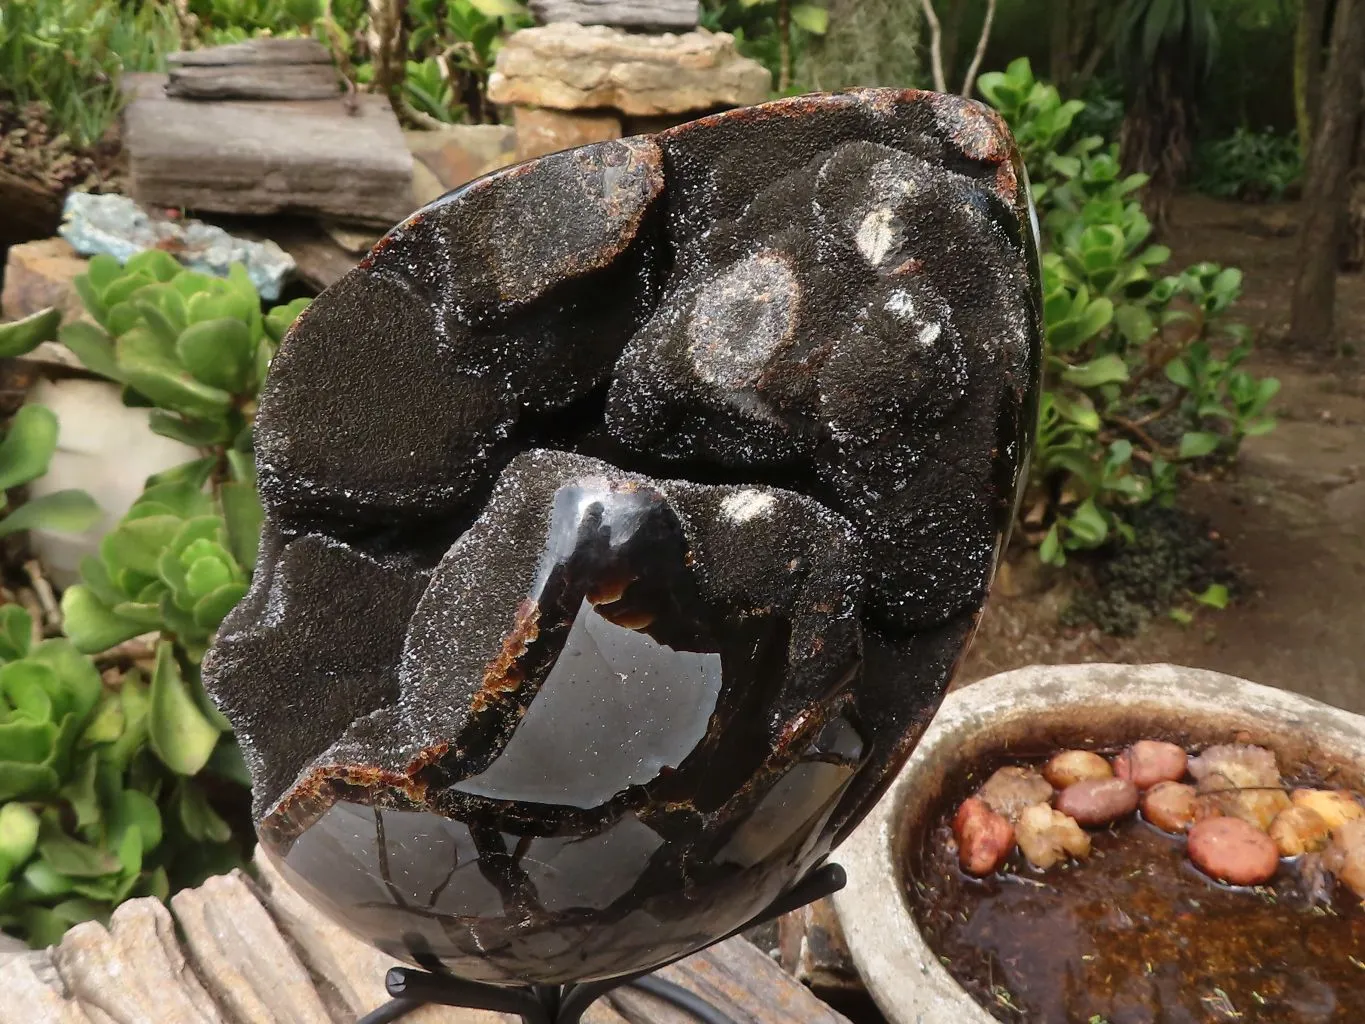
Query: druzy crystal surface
(627, 512)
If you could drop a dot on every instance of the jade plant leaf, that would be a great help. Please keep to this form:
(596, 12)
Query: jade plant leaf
(218, 352)
(27, 448)
(199, 820)
(23, 336)
(244, 515)
(137, 544)
(180, 733)
(91, 624)
(18, 833)
(136, 810)
(68, 511)
(16, 632)
(71, 857)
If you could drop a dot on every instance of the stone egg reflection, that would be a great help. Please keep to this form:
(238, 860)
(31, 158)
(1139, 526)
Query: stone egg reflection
(609, 571)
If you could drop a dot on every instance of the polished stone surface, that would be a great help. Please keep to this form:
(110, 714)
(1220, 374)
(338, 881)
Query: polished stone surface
(627, 513)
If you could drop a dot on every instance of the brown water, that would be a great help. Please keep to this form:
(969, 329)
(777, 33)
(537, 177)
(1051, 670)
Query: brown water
(1137, 935)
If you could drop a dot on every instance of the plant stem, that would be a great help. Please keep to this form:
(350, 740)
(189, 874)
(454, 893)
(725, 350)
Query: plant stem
(784, 44)
(975, 65)
(935, 45)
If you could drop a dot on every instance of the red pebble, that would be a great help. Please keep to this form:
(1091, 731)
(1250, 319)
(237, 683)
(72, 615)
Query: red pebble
(1233, 851)
(1148, 762)
(984, 838)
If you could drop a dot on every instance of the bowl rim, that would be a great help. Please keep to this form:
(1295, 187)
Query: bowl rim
(903, 976)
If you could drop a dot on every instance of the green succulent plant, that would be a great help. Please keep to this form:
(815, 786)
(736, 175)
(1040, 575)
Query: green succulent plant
(196, 349)
(131, 787)
(28, 446)
(97, 802)
(193, 347)
(176, 563)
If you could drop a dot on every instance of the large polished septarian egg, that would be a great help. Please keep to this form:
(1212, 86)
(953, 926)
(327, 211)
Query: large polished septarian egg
(627, 512)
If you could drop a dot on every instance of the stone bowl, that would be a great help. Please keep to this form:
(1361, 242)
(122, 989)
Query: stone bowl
(1032, 710)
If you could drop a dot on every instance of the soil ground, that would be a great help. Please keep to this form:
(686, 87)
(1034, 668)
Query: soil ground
(1292, 513)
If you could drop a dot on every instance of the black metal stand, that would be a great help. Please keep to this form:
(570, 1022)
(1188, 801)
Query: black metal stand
(566, 1004)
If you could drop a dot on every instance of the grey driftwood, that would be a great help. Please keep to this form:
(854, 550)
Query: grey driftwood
(242, 950)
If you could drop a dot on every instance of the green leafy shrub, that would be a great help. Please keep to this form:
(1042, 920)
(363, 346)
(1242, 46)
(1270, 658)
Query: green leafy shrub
(453, 44)
(133, 787)
(1247, 165)
(1141, 372)
(754, 24)
(69, 55)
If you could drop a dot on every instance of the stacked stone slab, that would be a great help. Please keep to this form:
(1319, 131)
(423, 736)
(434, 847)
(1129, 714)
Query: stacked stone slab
(584, 77)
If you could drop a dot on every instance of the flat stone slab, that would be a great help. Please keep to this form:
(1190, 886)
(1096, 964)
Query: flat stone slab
(672, 15)
(577, 67)
(240, 949)
(259, 157)
(258, 69)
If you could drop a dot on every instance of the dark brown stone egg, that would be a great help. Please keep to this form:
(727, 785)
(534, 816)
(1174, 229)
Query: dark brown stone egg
(627, 512)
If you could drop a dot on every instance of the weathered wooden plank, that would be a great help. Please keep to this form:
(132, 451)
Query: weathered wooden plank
(667, 15)
(268, 50)
(740, 980)
(244, 962)
(255, 82)
(259, 954)
(31, 991)
(134, 972)
(267, 156)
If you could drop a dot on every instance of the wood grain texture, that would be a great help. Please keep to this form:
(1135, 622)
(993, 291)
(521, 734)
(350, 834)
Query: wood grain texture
(252, 951)
(254, 51)
(255, 82)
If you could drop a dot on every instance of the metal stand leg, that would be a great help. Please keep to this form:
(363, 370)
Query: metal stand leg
(566, 1004)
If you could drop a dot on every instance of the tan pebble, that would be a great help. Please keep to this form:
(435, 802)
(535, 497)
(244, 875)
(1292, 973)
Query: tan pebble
(1257, 807)
(1170, 806)
(1345, 855)
(1335, 806)
(984, 838)
(1013, 788)
(1148, 762)
(1048, 837)
(1098, 801)
(1072, 766)
(1243, 765)
(1297, 830)
(1233, 851)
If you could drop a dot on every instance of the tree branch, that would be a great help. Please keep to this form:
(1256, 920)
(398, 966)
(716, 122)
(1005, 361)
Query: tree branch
(975, 65)
(936, 44)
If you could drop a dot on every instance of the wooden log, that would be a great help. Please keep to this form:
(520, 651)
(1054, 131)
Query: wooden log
(661, 15)
(255, 82)
(255, 952)
(33, 991)
(134, 970)
(254, 51)
(245, 963)
(270, 156)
